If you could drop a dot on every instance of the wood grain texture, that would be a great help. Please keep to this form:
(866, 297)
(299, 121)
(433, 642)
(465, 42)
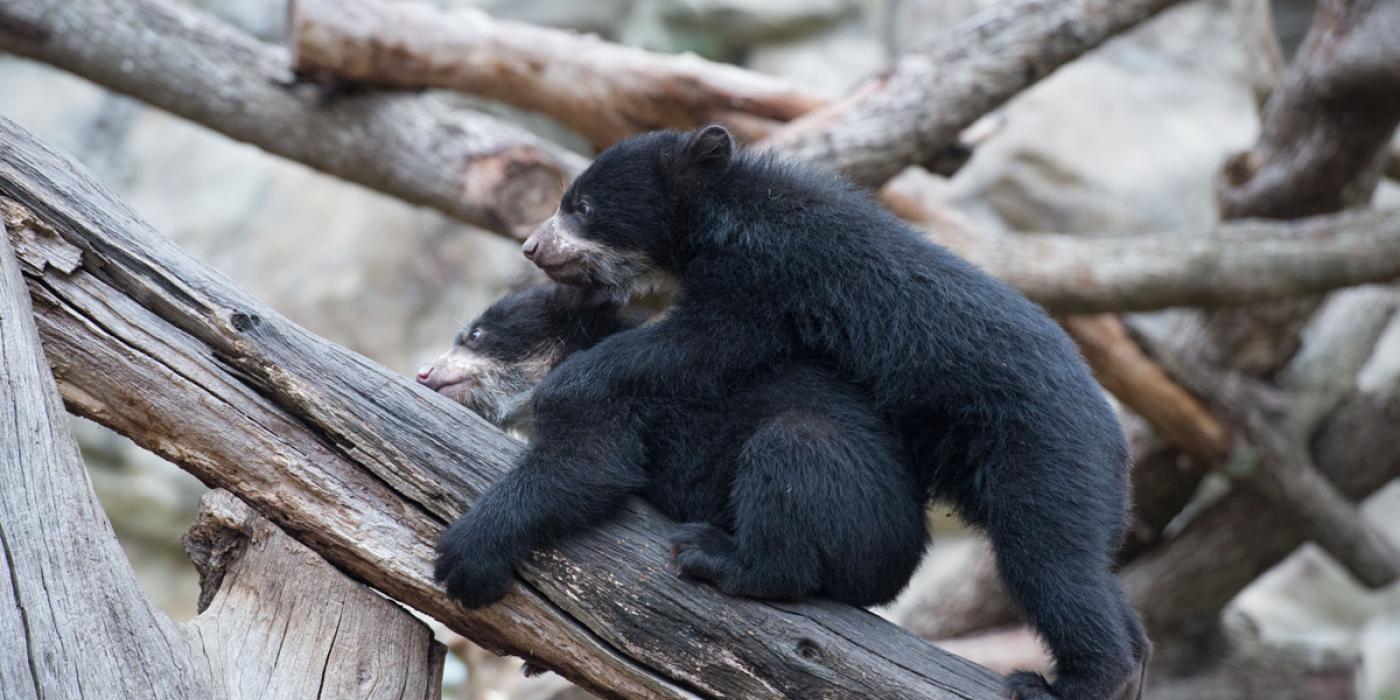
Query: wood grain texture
(415, 147)
(74, 622)
(366, 467)
(1232, 264)
(277, 621)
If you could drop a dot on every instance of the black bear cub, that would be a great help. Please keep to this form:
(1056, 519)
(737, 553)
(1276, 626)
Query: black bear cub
(789, 488)
(994, 409)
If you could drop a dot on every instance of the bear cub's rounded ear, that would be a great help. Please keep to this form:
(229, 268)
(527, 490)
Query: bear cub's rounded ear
(710, 147)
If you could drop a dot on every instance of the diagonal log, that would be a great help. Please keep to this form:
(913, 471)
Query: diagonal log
(365, 468)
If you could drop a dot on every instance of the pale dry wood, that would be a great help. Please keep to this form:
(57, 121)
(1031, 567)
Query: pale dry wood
(277, 621)
(365, 467)
(915, 110)
(74, 622)
(602, 90)
(415, 147)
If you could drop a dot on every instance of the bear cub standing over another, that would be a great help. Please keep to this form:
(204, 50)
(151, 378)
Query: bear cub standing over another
(777, 263)
(792, 484)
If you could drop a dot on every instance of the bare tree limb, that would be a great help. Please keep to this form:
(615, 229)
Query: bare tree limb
(275, 616)
(366, 467)
(1327, 126)
(1236, 263)
(914, 111)
(602, 90)
(73, 620)
(415, 147)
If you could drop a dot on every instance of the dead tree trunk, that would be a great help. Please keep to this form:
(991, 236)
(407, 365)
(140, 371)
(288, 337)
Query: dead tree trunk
(366, 468)
(74, 622)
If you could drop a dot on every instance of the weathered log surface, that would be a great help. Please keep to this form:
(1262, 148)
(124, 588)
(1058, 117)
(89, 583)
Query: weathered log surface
(366, 467)
(602, 90)
(914, 111)
(74, 622)
(415, 147)
(277, 621)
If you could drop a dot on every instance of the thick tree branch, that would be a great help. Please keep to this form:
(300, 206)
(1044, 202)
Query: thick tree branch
(1233, 264)
(914, 111)
(64, 583)
(415, 147)
(602, 90)
(366, 467)
(73, 620)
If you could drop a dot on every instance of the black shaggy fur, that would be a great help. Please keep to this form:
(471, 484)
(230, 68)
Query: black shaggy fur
(777, 263)
(791, 487)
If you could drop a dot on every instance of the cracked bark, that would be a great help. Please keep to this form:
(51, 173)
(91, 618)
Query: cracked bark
(73, 620)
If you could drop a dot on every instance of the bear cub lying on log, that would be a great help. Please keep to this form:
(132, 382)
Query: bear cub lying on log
(790, 488)
(777, 264)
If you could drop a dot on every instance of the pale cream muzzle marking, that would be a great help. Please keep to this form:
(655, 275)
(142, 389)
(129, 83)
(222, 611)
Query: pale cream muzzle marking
(568, 258)
(496, 390)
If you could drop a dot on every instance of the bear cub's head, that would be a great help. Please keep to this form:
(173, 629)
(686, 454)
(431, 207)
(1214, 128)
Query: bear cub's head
(497, 359)
(617, 226)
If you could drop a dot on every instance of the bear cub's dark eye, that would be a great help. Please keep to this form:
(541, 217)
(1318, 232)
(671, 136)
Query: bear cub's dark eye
(474, 336)
(584, 208)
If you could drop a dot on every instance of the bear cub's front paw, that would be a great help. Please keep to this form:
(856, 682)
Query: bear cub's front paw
(473, 573)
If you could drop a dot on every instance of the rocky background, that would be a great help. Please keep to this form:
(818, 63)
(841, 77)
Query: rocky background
(1127, 139)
